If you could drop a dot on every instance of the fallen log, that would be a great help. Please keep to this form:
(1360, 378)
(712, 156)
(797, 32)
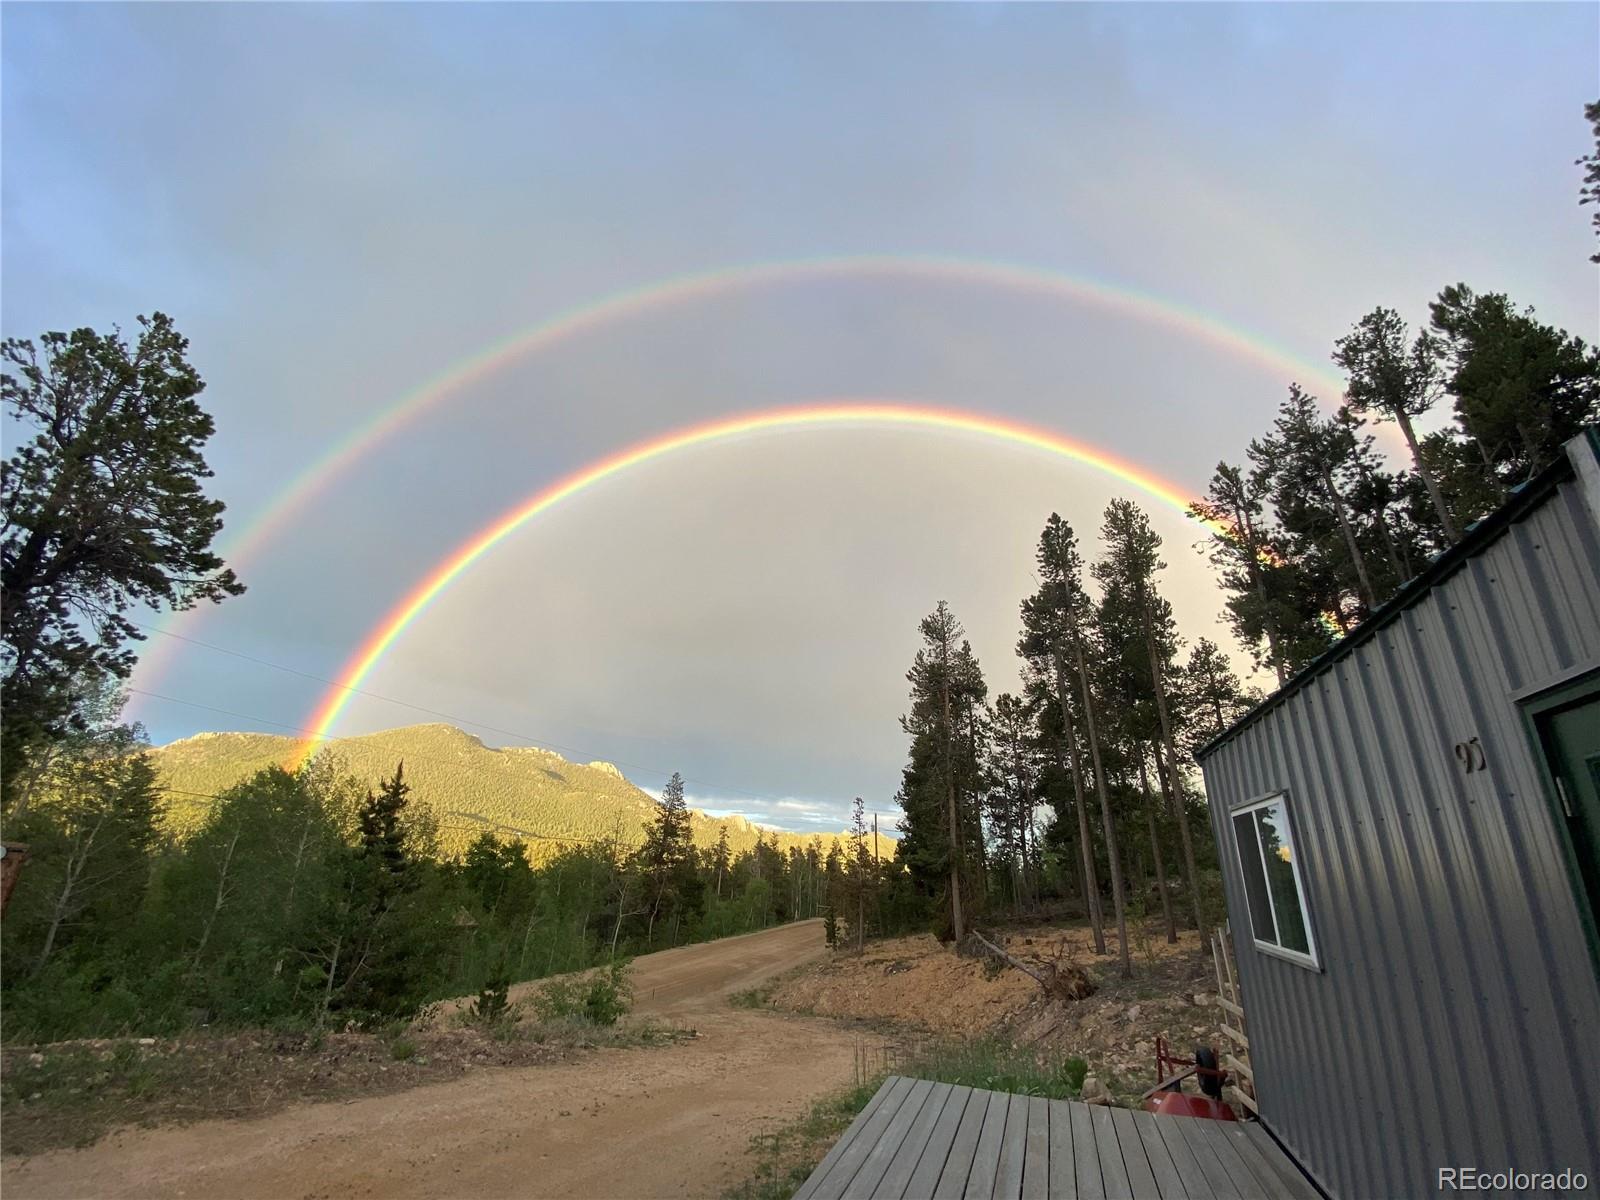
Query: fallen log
(1059, 980)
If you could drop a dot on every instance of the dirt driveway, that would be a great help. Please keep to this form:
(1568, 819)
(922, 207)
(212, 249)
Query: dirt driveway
(664, 1121)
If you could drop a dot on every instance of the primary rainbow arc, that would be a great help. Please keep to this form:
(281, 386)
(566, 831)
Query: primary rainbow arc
(835, 413)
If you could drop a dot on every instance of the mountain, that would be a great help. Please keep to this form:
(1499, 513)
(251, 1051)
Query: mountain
(469, 787)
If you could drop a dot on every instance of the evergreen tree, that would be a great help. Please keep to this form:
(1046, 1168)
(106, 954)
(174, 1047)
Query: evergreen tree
(1054, 621)
(721, 859)
(1264, 616)
(1211, 694)
(1399, 378)
(860, 872)
(939, 791)
(1522, 388)
(668, 859)
(101, 510)
(1012, 783)
(1589, 193)
(1129, 569)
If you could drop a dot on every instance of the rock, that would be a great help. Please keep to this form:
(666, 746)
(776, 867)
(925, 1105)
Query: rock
(147, 1041)
(1202, 999)
(1094, 1092)
(1133, 1013)
(36, 1060)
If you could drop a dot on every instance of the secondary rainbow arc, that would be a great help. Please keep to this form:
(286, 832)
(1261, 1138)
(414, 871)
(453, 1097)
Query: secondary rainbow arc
(1234, 340)
(387, 632)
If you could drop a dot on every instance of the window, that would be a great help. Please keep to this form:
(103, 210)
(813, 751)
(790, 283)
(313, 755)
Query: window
(1272, 885)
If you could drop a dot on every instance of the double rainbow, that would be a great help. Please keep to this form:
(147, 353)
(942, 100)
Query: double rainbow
(836, 413)
(277, 517)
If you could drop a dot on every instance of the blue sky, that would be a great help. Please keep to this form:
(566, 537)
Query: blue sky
(337, 202)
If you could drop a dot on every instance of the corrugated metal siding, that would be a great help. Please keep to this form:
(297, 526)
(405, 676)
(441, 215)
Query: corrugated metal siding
(1456, 1020)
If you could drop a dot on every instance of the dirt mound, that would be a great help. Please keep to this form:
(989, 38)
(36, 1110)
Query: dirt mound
(912, 981)
(917, 982)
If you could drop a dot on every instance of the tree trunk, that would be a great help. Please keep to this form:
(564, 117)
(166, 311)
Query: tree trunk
(1155, 846)
(1091, 885)
(69, 886)
(1356, 557)
(217, 903)
(1105, 805)
(1175, 794)
(1445, 519)
(1253, 551)
(957, 919)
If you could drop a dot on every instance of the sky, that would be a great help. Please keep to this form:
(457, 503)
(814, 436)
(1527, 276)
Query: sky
(340, 203)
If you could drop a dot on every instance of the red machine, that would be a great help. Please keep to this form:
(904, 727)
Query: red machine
(1168, 1096)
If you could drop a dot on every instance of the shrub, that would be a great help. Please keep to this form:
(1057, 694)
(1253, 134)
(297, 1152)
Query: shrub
(493, 1002)
(601, 997)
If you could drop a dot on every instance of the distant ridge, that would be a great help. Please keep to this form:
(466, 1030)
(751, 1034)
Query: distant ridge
(468, 786)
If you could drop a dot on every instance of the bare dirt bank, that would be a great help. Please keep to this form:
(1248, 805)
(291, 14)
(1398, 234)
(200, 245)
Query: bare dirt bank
(661, 1121)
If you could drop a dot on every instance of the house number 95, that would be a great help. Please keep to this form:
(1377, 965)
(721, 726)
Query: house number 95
(1470, 755)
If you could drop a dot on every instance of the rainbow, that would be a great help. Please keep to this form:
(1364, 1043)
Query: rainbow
(294, 499)
(835, 413)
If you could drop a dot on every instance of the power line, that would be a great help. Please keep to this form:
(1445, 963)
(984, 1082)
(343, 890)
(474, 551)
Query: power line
(432, 712)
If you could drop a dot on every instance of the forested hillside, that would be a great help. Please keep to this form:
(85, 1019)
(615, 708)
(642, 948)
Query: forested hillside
(517, 792)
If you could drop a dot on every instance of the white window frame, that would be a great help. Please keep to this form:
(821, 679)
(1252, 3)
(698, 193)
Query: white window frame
(1310, 959)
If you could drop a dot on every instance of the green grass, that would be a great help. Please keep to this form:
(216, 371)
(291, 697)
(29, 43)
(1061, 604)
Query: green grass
(997, 1066)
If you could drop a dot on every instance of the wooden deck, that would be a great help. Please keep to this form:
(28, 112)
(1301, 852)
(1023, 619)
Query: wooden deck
(919, 1140)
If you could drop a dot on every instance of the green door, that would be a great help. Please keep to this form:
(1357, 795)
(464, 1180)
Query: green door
(1569, 734)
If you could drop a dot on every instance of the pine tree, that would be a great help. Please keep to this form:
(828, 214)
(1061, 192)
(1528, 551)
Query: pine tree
(942, 827)
(860, 871)
(721, 859)
(101, 510)
(1129, 569)
(382, 837)
(668, 859)
(1589, 193)
(1012, 783)
(1243, 551)
(1399, 378)
(1522, 388)
(1054, 621)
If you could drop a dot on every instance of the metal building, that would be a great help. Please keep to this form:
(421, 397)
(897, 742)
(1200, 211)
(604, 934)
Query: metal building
(1409, 833)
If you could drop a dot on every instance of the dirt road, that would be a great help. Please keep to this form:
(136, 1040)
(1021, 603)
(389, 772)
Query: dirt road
(663, 1121)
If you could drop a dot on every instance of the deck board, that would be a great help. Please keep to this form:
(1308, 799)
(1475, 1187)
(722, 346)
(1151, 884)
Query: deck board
(1223, 1185)
(1141, 1179)
(1085, 1153)
(927, 1172)
(1063, 1164)
(1195, 1181)
(986, 1158)
(872, 1169)
(913, 1148)
(1113, 1174)
(1227, 1152)
(832, 1186)
(809, 1187)
(918, 1139)
(1036, 1162)
(1296, 1185)
(1013, 1152)
(958, 1163)
(1169, 1180)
